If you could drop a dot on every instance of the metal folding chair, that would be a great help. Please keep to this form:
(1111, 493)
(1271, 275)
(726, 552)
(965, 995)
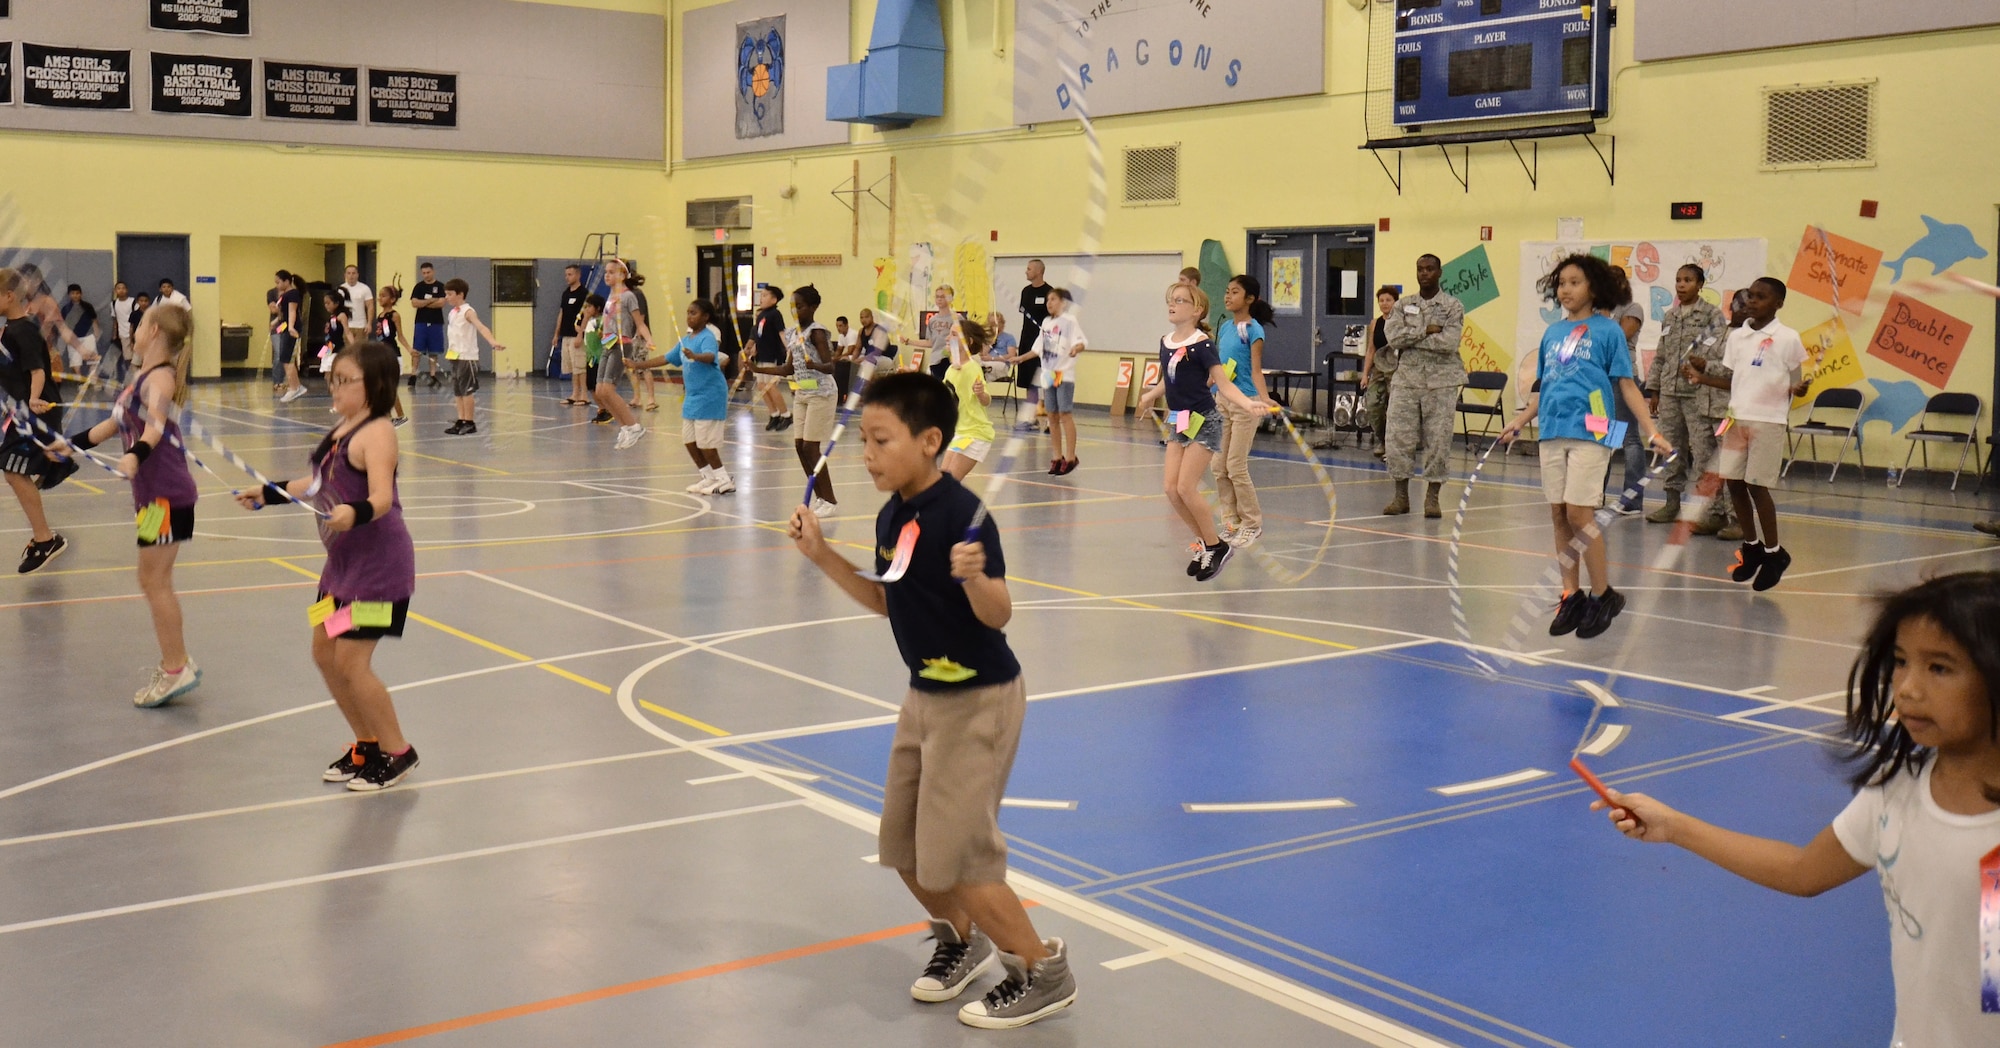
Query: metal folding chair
(1494, 382)
(1948, 406)
(1813, 428)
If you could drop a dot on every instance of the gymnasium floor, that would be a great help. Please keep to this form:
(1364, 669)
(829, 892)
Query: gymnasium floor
(653, 740)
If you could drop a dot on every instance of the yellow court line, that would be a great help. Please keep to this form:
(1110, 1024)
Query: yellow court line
(684, 719)
(87, 486)
(455, 462)
(1197, 616)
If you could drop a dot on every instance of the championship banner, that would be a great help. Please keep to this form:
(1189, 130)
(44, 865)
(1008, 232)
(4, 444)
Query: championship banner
(223, 17)
(302, 91)
(75, 77)
(1651, 265)
(202, 84)
(6, 65)
(407, 98)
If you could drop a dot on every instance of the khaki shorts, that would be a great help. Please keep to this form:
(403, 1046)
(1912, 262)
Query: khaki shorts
(814, 416)
(948, 768)
(574, 359)
(702, 432)
(1762, 460)
(1573, 472)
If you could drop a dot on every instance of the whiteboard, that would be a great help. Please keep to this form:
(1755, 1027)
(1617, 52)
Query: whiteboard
(1121, 300)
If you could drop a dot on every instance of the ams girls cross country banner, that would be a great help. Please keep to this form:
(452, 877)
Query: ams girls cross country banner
(75, 77)
(1730, 265)
(225, 17)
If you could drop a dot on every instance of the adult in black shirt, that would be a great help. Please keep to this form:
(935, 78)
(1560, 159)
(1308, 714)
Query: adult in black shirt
(24, 376)
(771, 351)
(1034, 310)
(568, 341)
(731, 340)
(427, 296)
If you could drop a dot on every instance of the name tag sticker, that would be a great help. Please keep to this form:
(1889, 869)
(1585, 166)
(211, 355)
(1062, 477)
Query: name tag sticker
(372, 613)
(1412, 310)
(320, 611)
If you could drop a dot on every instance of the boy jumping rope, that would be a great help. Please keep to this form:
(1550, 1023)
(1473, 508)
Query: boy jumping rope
(961, 720)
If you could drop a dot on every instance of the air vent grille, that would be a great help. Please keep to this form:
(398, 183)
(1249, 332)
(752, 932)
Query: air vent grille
(719, 213)
(1153, 175)
(1819, 125)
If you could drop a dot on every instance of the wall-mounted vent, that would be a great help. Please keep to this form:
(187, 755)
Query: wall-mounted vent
(1153, 175)
(719, 213)
(1819, 125)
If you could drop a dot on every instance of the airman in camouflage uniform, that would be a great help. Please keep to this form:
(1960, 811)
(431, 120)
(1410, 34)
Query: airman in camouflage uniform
(1424, 331)
(1689, 328)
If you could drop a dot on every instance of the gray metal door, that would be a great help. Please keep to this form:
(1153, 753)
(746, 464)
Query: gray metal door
(1318, 282)
(145, 259)
(478, 276)
(549, 285)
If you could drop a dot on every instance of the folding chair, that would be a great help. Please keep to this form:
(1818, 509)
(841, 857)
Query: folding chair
(1494, 382)
(1993, 441)
(1946, 405)
(1813, 428)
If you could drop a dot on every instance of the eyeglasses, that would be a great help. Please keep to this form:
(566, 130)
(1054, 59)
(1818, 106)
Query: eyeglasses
(337, 381)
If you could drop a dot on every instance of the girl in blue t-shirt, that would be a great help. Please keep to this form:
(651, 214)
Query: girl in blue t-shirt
(1241, 345)
(705, 403)
(1191, 378)
(1585, 368)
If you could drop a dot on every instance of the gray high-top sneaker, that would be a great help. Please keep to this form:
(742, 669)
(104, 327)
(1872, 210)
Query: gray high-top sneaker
(1027, 994)
(954, 964)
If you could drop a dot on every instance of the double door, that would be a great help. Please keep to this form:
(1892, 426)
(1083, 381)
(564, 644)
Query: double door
(1320, 284)
(732, 270)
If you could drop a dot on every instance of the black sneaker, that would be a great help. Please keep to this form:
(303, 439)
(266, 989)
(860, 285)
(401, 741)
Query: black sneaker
(37, 554)
(454, 429)
(1748, 557)
(771, 425)
(1772, 568)
(1212, 560)
(1601, 611)
(1569, 613)
(469, 426)
(1194, 563)
(413, 383)
(603, 417)
(384, 773)
(784, 423)
(358, 756)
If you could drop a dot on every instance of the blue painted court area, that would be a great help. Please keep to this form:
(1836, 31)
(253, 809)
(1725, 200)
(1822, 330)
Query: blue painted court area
(1503, 914)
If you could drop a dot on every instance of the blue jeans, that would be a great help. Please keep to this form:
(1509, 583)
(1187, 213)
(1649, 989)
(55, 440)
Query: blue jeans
(1636, 458)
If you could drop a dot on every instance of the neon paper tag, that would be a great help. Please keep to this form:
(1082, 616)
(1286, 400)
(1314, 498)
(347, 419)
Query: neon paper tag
(1723, 426)
(805, 384)
(1229, 369)
(320, 611)
(340, 621)
(372, 613)
(1615, 436)
(1597, 402)
(1989, 933)
(1597, 424)
(1187, 422)
(151, 520)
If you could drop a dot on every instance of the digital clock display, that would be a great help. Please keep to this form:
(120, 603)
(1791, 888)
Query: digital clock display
(1685, 211)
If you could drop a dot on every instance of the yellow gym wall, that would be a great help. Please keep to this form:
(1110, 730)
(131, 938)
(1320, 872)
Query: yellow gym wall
(1687, 130)
(244, 273)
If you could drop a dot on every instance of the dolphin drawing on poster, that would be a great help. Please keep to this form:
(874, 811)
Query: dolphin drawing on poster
(1943, 245)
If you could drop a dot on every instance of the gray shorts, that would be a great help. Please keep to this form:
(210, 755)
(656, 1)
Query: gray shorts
(464, 378)
(610, 365)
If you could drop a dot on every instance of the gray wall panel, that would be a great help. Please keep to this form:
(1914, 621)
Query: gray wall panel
(816, 37)
(1685, 28)
(531, 77)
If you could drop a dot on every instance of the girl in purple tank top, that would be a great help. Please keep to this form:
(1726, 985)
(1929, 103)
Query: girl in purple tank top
(371, 564)
(145, 419)
(388, 330)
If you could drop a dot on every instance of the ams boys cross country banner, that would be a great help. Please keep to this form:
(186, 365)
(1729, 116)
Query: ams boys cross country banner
(225, 17)
(75, 77)
(411, 98)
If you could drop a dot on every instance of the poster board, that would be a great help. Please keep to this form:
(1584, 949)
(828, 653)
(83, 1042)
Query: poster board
(1120, 298)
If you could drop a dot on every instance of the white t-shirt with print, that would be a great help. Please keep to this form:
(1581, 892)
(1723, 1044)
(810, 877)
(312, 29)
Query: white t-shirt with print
(1059, 345)
(461, 339)
(358, 297)
(1760, 366)
(1928, 862)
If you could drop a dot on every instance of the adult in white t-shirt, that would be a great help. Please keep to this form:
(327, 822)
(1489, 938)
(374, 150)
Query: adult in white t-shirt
(360, 300)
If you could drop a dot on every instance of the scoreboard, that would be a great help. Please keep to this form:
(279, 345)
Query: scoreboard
(1460, 60)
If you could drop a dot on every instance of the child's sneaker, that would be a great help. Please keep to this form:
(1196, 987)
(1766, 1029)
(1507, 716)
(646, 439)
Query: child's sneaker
(36, 555)
(720, 484)
(1771, 568)
(1212, 560)
(1194, 565)
(1569, 613)
(1599, 613)
(629, 435)
(954, 963)
(384, 773)
(703, 486)
(1027, 994)
(1243, 537)
(166, 687)
(823, 509)
(1748, 557)
(358, 756)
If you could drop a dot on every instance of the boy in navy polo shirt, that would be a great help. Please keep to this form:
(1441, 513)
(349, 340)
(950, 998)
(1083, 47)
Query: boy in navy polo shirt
(1585, 369)
(961, 719)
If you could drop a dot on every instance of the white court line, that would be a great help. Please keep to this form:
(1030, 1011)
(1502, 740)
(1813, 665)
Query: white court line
(709, 647)
(1758, 690)
(725, 777)
(1988, 548)
(387, 867)
(1758, 711)
(1545, 652)
(1598, 693)
(1512, 778)
(1793, 637)
(1027, 802)
(1119, 964)
(1262, 806)
(1607, 739)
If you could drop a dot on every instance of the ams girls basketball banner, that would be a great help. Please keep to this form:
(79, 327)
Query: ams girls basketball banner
(1651, 264)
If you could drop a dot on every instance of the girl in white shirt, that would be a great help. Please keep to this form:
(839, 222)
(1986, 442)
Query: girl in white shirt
(1923, 704)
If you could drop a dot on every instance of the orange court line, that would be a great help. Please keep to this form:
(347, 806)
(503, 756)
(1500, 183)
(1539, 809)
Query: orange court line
(638, 986)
